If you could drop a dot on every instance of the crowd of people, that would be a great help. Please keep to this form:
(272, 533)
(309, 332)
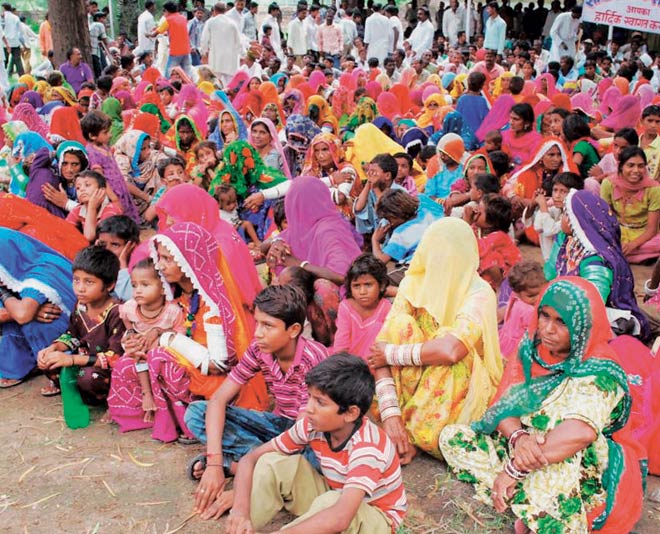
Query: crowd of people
(300, 242)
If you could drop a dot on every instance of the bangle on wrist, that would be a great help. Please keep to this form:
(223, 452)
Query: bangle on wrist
(304, 264)
(515, 436)
(514, 473)
(648, 291)
(73, 362)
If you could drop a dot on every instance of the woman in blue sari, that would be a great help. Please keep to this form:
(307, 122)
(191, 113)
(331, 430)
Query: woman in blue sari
(221, 136)
(36, 299)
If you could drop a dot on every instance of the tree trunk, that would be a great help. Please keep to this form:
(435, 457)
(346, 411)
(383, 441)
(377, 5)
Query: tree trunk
(129, 11)
(68, 19)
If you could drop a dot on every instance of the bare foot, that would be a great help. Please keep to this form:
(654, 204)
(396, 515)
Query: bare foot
(222, 504)
(106, 419)
(520, 528)
(412, 452)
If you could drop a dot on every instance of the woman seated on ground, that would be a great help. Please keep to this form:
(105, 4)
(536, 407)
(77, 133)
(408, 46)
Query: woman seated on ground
(556, 446)
(437, 360)
(589, 246)
(37, 297)
(635, 200)
(317, 239)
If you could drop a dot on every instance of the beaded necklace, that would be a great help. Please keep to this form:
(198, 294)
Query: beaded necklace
(190, 323)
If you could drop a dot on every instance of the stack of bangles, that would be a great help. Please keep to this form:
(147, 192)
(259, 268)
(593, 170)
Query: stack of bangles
(514, 473)
(515, 436)
(5, 294)
(404, 355)
(388, 403)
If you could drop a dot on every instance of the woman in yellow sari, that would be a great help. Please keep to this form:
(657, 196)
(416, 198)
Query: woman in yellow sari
(437, 359)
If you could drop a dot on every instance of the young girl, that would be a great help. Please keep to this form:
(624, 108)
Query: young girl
(576, 132)
(206, 155)
(362, 314)
(497, 252)
(228, 203)
(96, 130)
(146, 316)
(526, 280)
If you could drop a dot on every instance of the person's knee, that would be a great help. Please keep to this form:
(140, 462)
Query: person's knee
(195, 416)
(325, 500)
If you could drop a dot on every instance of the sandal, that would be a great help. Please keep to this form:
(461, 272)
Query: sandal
(51, 390)
(184, 440)
(10, 382)
(203, 459)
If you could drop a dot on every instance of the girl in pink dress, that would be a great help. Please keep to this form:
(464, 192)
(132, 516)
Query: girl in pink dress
(362, 314)
(146, 316)
(527, 280)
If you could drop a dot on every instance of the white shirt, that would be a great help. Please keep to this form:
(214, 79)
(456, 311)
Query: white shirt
(310, 33)
(13, 31)
(349, 30)
(452, 23)
(237, 17)
(275, 38)
(297, 40)
(378, 36)
(495, 34)
(396, 24)
(29, 37)
(145, 25)
(221, 40)
(564, 34)
(421, 39)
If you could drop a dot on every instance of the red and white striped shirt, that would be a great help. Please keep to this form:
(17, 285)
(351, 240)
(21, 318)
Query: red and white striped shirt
(289, 390)
(368, 462)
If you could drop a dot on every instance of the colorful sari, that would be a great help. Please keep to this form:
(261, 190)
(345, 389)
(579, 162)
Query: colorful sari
(598, 488)
(216, 135)
(216, 300)
(30, 269)
(432, 303)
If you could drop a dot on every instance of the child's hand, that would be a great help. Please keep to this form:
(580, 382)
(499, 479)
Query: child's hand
(42, 357)
(541, 201)
(125, 254)
(377, 356)
(238, 524)
(469, 214)
(380, 232)
(96, 199)
(57, 359)
(210, 486)
(254, 202)
(150, 338)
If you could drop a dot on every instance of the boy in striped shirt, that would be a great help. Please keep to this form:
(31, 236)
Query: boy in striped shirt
(361, 489)
(283, 357)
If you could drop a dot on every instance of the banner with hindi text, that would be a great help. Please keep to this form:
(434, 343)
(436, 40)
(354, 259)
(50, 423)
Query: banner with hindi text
(641, 15)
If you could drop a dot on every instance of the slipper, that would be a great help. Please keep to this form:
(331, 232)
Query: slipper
(184, 440)
(200, 458)
(10, 382)
(51, 390)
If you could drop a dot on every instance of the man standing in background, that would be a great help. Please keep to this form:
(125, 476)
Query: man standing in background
(145, 27)
(14, 39)
(221, 42)
(275, 36)
(495, 29)
(378, 35)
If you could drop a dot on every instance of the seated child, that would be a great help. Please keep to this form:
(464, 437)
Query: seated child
(472, 105)
(649, 141)
(404, 175)
(146, 316)
(526, 279)
(316, 325)
(547, 218)
(497, 252)
(94, 204)
(381, 174)
(362, 313)
(120, 235)
(450, 150)
(228, 202)
(480, 186)
(284, 357)
(361, 487)
(206, 156)
(609, 164)
(93, 339)
(172, 172)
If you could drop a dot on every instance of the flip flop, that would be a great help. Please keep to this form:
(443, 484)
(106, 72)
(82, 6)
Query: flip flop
(51, 390)
(183, 440)
(190, 470)
(10, 382)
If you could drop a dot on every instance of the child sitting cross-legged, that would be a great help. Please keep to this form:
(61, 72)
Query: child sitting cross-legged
(93, 339)
(228, 203)
(284, 357)
(360, 488)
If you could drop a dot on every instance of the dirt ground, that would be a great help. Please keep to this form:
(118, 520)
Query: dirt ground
(98, 481)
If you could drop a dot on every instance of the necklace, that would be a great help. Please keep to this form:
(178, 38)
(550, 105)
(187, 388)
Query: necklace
(191, 311)
(160, 310)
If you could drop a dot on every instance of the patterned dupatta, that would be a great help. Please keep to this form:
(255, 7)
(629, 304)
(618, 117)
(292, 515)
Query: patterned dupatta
(531, 377)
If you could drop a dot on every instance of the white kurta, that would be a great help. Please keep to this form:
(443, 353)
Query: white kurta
(221, 40)
(275, 38)
(564, 31)
(297, 39)
(378, 36)
(452, 23)
(421, 39)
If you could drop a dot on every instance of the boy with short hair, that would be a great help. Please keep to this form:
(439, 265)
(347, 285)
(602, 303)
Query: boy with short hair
(283, 357)
(361, 489)
(404, 175)
(93, 339)
(120, 235)
(94, 204)
(172, 172)
(649, 141)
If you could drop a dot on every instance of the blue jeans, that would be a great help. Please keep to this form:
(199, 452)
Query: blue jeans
(178, 61)
(244, 429)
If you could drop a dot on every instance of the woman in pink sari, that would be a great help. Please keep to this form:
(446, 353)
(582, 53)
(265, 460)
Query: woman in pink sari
(626, 113)
(190, 102)
(190, 203)
(546, 85)
(521, 139)
(497, 117)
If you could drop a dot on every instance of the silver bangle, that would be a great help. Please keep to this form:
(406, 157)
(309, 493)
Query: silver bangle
(648, 291)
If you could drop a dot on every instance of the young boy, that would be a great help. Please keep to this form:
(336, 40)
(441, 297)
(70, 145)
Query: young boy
(228, 203)
(120, 235)
(361, 488)
(649, 141)
(473, 105)
(94, 204)
(547, 219)
(284, 357)
(93, 339)
(382, 171)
